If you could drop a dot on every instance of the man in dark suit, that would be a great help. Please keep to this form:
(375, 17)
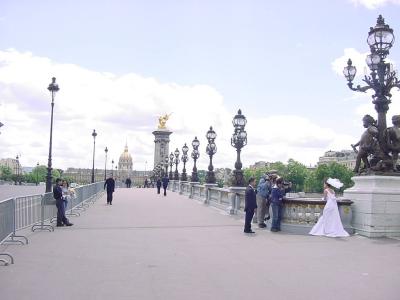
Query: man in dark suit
(165, 182)
(57, 194)
(158, 185)
(110, 183)
(250, 205)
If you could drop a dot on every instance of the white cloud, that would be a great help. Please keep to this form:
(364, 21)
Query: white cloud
(126, 107)
(374, 4)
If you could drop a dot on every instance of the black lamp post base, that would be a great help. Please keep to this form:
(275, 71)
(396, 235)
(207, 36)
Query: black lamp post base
(237, 178)
(183, 177)
(210, 177)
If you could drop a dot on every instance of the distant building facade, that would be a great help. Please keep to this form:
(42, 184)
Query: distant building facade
(260, 164)
(13, 164)
(343, 157)
(124, 170)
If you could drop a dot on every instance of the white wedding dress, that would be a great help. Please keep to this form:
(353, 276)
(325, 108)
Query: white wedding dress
(329, 224)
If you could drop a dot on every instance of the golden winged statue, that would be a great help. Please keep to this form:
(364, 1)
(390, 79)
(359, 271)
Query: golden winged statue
(162, 120)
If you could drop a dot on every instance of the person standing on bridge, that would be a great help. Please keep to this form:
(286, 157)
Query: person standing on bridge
(158, 185)
(250, 205)
(110, 184)
(58, 195)
(165, 182)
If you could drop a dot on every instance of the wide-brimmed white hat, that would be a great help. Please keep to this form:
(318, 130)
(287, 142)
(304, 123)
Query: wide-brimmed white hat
(334, 182)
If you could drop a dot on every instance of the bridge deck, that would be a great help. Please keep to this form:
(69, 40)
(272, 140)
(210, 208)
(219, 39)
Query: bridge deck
(147, 246)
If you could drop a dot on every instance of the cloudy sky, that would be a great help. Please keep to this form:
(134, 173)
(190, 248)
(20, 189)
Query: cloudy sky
(120, 64)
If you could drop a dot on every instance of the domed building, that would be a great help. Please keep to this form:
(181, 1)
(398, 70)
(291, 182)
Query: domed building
(125, 162)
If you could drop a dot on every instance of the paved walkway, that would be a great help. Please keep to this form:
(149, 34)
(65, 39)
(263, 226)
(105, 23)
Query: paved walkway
(147, 246)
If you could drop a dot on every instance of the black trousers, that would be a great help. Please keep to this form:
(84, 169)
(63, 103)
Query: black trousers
(158, 189)
(165, 191)
(61, 218)
(248, 218)
(109, 197)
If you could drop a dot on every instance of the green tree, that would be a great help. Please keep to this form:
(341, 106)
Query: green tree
(296, 173)
(5, 173)
(333, 170)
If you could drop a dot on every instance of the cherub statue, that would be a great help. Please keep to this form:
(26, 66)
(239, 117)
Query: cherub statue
(393, 139)
(162, 120)
(368, 143)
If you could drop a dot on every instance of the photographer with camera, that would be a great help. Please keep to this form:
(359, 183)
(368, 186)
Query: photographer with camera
(263, 195)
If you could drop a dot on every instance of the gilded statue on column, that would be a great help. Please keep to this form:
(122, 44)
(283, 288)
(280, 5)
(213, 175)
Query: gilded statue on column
(162, 120)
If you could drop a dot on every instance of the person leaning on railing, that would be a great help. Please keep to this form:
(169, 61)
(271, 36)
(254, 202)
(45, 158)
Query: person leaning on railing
(58, 195)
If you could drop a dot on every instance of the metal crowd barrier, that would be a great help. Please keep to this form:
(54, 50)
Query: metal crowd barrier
(38, 211)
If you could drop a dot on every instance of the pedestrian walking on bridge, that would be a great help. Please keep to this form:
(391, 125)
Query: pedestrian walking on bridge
(110, 184)
(165, 182)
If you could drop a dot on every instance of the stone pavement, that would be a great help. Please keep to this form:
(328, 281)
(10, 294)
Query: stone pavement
(147, 246)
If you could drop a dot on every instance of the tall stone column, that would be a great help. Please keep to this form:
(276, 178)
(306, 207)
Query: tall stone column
(161, 145)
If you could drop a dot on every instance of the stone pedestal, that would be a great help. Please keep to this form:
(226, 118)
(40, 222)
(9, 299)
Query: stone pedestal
(181, 187)
(207, 187)
(191, 188)
(376, 208)
(235, 199)
(161, 145)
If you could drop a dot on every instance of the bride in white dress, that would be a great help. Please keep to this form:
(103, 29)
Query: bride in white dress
(329, 224)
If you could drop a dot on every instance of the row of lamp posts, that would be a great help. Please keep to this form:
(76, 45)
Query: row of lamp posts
(238, 140)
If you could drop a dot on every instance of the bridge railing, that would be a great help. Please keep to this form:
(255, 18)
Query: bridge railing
(38, 212)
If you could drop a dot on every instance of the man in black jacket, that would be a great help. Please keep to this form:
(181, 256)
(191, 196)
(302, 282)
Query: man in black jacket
(158, 185)
(250, 205)
(165, 182)
(57, 194)
(110, 183)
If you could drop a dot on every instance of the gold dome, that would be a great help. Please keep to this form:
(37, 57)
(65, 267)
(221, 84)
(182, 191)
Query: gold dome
(125, 160)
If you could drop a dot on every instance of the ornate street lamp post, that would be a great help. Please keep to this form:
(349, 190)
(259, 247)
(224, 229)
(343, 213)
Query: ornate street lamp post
(37, 173)
(238, 140)
(105, 165)
(381, 80)
(53, 88)
(171, 162)
(16, 170)
(166, 161)
(112, 167)
(94, 134)
(195, 156)
(211, 150)
(177, 161)
(185, 158)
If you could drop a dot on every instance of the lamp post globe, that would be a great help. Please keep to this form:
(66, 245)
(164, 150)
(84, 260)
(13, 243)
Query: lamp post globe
(381, 80)
(176, 161)
(171, 162)
(105, 164)
(53, 88)
(94, 134)
(211, 149)
(238, 141)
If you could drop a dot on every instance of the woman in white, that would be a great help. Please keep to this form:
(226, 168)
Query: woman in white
(329, 224)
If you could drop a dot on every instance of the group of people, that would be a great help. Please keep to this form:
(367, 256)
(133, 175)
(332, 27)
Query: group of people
(164, 183)
(63, 194)
(271, 191)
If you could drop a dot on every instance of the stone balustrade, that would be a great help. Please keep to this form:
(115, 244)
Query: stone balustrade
(299, 212)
